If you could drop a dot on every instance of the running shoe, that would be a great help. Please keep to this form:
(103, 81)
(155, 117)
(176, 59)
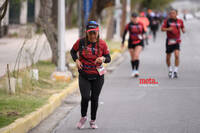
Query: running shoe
(93, 124)
(136, 73)
(170, 74)
(81, 123)
(175, 75)
(133, 73)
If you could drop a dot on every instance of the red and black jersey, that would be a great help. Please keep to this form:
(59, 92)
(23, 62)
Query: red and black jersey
(89, 53)
(176, 24)
(135, 32)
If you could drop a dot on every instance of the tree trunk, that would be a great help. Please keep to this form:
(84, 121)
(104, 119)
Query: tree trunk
(69, 14)
(123, 18)
(0, 30)
(98, 6)
(110, 25)
(48, 25)
(81, 19)
(3, 10)
(55, 13)
(94, 15)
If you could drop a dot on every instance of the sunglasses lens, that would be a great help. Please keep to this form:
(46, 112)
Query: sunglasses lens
(92, 32)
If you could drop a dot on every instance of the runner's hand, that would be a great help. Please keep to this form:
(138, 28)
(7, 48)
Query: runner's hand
(183, 30)
(78, 64)
(100, 60)
(170, 29)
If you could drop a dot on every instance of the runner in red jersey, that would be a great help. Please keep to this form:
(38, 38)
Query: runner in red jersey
(135, 42)
(173, 27)
(90, 53)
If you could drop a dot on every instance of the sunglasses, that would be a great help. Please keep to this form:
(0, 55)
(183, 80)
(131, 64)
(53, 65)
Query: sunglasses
(92, 32)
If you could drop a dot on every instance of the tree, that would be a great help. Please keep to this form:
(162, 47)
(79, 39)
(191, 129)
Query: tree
(47, 20)
(97, 8)
(48, 17)
(3, 10)
(150, 4)
(70, 12)
(110, 24)
(123, 18)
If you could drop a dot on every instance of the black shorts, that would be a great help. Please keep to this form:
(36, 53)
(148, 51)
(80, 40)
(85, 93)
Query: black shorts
(171, 48)
(130, 45)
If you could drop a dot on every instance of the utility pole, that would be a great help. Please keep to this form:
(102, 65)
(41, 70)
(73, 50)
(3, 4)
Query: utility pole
(117, 19)
(128, 10)
(62, 74)
(61, 34)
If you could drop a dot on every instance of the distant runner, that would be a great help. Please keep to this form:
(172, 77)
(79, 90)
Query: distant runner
(154, 25)
(145, 21)
(135, 42)
(172, 26)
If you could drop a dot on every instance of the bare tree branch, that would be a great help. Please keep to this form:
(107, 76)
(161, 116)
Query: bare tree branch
(3, 9)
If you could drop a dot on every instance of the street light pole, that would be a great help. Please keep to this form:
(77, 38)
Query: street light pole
(128, 10)
(61, 34)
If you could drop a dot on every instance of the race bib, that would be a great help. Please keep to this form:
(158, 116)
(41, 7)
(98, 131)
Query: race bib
(172, 41)
(101, 70)
(140, 37)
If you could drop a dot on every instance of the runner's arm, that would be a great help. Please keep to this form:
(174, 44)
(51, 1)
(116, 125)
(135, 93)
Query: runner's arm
(106, 54)
(74, 54)
(107, 58)
(183, 30)
(166, 29)
(74, 50)
(124, 36)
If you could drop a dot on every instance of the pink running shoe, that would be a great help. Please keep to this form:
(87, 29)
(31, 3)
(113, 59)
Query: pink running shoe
(93, 124)
(81, 123)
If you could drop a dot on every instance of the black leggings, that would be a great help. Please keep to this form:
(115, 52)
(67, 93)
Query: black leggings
(90, 90)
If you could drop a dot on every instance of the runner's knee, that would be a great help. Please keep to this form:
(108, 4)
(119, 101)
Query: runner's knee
(176, 56)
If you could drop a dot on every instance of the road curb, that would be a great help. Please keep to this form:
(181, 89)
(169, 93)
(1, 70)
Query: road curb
(23, 125)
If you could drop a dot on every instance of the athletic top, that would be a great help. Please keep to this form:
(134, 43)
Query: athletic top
(176, 24)
(135, 32)
(145, 21)
(88, 57)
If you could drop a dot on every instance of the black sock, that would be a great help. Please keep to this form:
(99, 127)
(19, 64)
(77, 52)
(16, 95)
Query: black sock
(137, 62)
(133, 64)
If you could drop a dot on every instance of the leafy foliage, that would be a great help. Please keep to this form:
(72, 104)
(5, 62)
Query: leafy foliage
(151, 4)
